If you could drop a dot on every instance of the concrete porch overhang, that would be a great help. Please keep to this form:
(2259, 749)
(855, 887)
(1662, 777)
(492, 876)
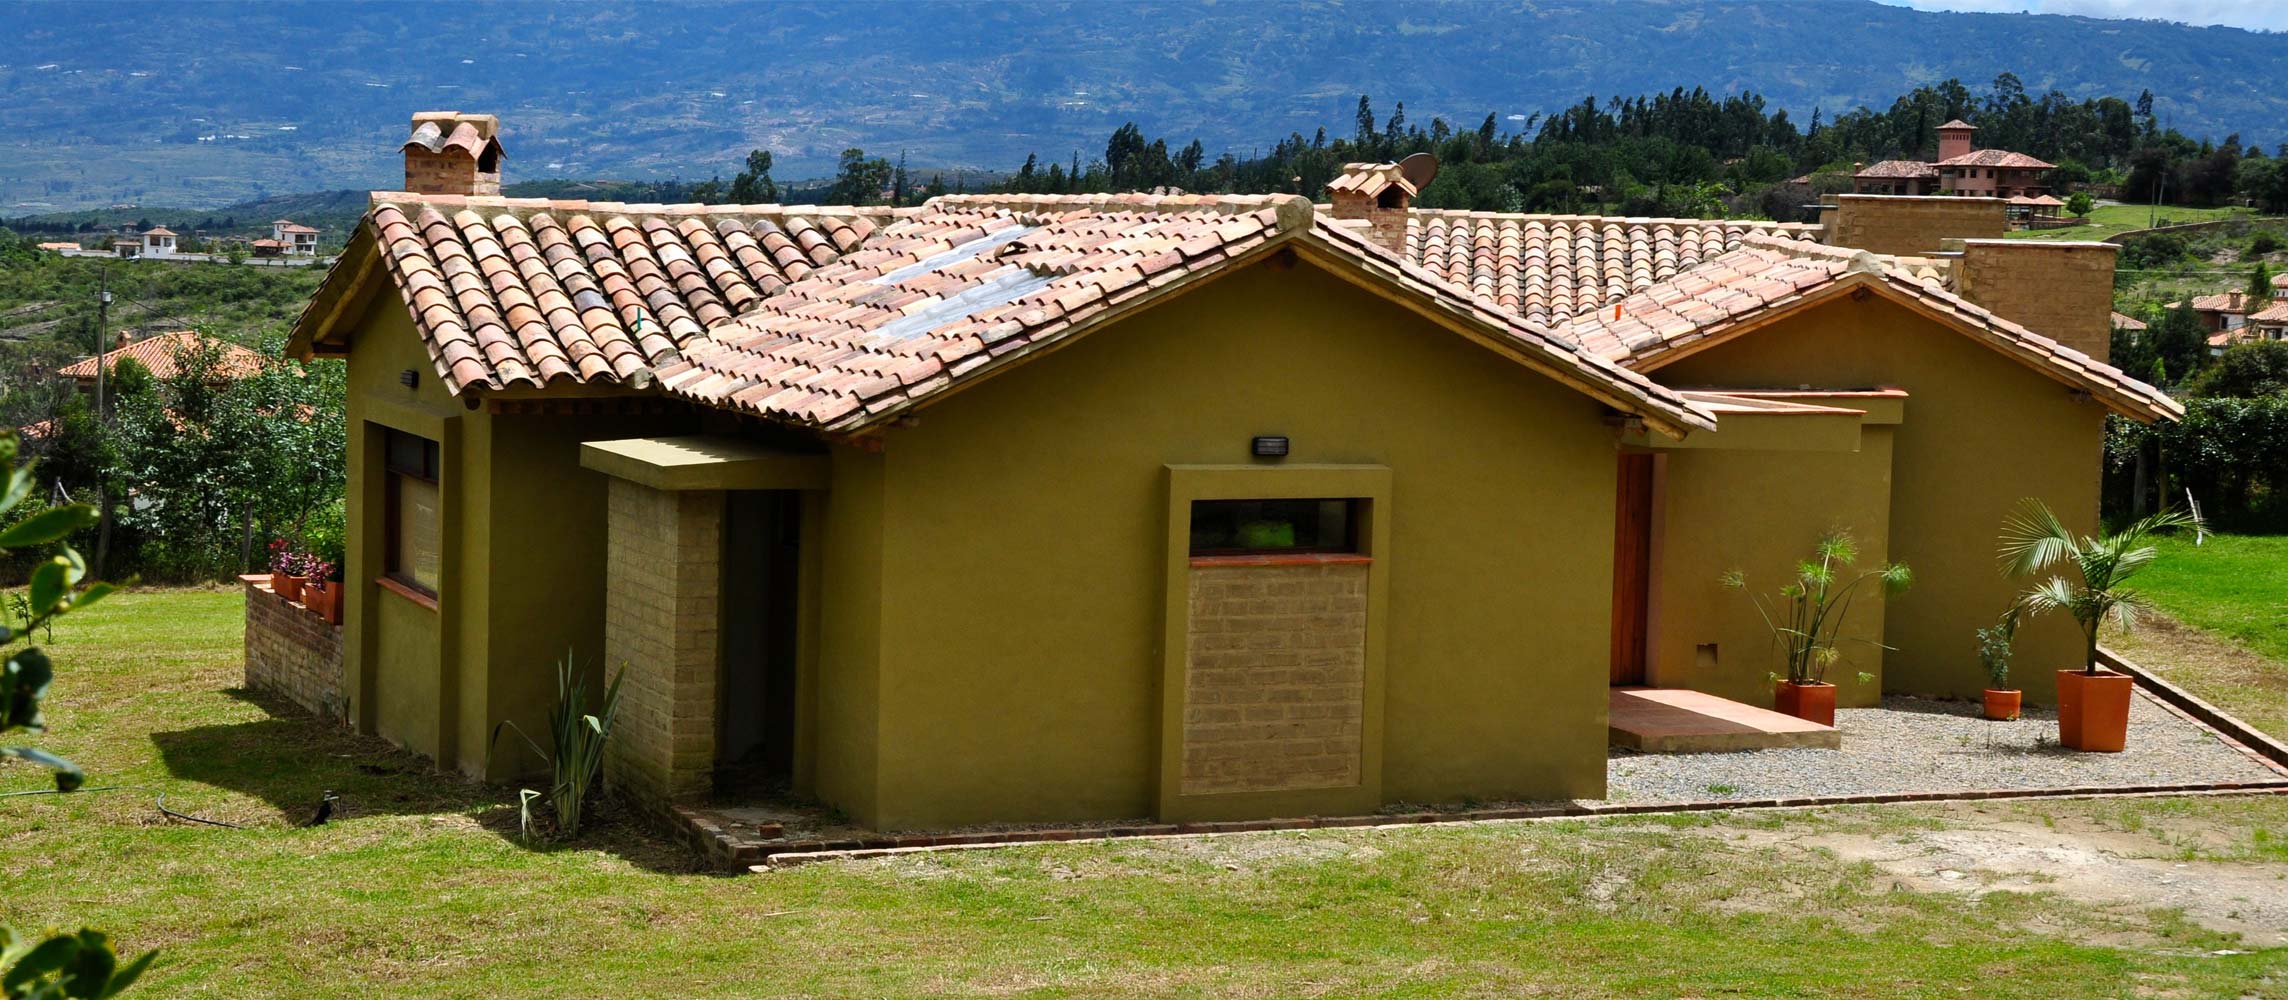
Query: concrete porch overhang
(1763, 420)
(704, 462)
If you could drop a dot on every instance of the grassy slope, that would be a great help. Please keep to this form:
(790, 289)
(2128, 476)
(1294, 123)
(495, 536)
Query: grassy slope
(421, 889)
(2107, 220)
(2232, 592)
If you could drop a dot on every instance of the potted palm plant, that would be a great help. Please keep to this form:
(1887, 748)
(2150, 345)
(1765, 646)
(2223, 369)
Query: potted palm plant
(1806, 619)
(2002, 701)
(2093, 704)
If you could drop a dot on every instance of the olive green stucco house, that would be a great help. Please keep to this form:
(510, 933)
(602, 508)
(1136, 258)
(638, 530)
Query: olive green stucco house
(1016, 508)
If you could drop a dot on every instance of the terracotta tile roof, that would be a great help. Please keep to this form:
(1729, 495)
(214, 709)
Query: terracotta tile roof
(2124, 321)
(1548, 267)
(1995, 158)
(2271, 315)
(2231, 303)
(1958, 123)
(465, 137)
(293, 227)
(509, 291)
(2280, 281)
(971, 284)
(1769, 275)
(160, 231)
(157, 355)
(1898, 169)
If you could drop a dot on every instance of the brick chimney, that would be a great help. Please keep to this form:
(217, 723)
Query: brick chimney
(2061, 290)
(1954, 139)
(453, 153)
(1380, 194)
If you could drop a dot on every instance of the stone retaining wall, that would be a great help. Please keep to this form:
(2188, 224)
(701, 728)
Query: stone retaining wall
(292, 652)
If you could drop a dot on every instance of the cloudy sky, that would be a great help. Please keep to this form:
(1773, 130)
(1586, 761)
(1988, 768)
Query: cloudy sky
(2263, 15)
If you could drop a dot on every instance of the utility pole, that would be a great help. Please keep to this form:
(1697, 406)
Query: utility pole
(102, 425)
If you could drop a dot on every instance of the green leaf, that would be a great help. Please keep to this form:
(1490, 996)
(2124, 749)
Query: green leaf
(28, 675)
(126, 977)
(47, 959)
(90, 970)
(47, 526)
(19, 487)
(68, 775)
(48, 585)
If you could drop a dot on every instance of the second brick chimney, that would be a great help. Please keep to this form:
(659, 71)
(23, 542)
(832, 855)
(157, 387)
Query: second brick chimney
(1380, 194)
(2061, 290)
(453, 153)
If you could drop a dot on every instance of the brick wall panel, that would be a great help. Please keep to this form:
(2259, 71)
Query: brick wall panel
(292, 652)
(1274, 678)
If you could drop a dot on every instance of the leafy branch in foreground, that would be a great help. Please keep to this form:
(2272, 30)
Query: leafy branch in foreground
(80, 966)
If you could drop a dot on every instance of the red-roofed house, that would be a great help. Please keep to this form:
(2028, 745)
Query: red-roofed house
(1033, 509)
(160, 356)
(294, 238)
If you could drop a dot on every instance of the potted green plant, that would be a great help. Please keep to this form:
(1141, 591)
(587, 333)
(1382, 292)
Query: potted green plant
(2003, 702)
(1806, 620)
(2093, 704)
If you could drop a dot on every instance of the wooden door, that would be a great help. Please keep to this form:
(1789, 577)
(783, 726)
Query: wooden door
(1632, 567)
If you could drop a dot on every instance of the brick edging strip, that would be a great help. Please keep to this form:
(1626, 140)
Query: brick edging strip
(795, 853)
(2272, 752)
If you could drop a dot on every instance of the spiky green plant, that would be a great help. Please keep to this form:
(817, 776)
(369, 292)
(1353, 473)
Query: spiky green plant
(575, 755)
(1806, 617)
(2034, 540)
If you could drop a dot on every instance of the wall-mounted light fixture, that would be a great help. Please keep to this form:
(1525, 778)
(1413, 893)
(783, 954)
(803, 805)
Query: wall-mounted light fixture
(409, 378)
(1270, 446)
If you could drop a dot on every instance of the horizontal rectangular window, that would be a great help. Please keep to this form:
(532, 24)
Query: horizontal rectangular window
(1252, 527)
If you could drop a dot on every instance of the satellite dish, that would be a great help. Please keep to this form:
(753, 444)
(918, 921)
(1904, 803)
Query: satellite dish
(1418, 169)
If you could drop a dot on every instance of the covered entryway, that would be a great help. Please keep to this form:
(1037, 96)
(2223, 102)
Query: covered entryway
(704, 607)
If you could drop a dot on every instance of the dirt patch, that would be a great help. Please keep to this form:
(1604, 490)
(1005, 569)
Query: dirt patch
(2105, 869)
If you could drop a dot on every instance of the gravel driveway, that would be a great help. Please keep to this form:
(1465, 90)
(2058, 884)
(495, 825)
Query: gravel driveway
(1922, 745)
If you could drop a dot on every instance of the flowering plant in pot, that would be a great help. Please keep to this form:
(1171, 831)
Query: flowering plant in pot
(289, 569)
(322, 592)
(2002, 700)
(2093, 704)
(1806, 619)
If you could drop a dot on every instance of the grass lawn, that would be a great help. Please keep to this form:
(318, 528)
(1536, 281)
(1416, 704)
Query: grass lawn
(2232, 588)
(419, 888)
(2107, 220)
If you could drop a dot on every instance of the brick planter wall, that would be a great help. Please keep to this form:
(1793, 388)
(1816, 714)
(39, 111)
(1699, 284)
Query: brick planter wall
(290, 651)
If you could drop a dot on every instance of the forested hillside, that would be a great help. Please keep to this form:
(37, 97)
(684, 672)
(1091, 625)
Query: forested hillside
(203, 105)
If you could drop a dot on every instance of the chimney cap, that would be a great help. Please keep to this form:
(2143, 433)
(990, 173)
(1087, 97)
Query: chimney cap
(1958, 125)
(438, 131)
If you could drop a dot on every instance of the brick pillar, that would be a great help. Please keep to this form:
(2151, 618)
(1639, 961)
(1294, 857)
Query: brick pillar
(663, 577)
(2061, 290)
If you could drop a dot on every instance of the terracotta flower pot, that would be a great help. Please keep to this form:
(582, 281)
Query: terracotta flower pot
(1809, 702)
(315, 596)
(333, 610)
(2002, 706)
(287, 585)
(2093, 710)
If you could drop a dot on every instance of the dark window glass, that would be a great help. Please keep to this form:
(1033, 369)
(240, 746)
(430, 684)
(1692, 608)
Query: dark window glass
(1242, 527)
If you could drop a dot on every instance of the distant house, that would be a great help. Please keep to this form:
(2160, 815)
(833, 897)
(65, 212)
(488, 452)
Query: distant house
(294, 238)
(1960, 170)
(157, 241)
(158, 354)
(60, 247)
(2131, 325)
(2219, 313)
(2269, 323)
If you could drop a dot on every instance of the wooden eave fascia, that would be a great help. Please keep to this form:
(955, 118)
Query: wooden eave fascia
(348, 287)
(1890, 287)
(1453, 316)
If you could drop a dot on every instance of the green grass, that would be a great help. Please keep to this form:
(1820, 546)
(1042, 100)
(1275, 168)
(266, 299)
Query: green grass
(2223, 632)
(420, 888)
(2108, 220)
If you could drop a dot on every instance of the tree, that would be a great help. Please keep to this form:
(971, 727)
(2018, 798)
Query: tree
(859, 179)
(2251, 370)
(2034, 539)
(2178, 340)
(753, 186)
(80, 964)
(2080, 203)
(2259, 282)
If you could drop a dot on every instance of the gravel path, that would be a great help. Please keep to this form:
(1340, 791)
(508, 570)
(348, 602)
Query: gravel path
(1921, 745)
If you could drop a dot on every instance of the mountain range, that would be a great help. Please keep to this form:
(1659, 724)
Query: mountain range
(207, 104)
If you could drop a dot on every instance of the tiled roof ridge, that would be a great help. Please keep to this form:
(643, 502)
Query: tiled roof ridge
(525, 206)
(1221, 204)
(1633, 220)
